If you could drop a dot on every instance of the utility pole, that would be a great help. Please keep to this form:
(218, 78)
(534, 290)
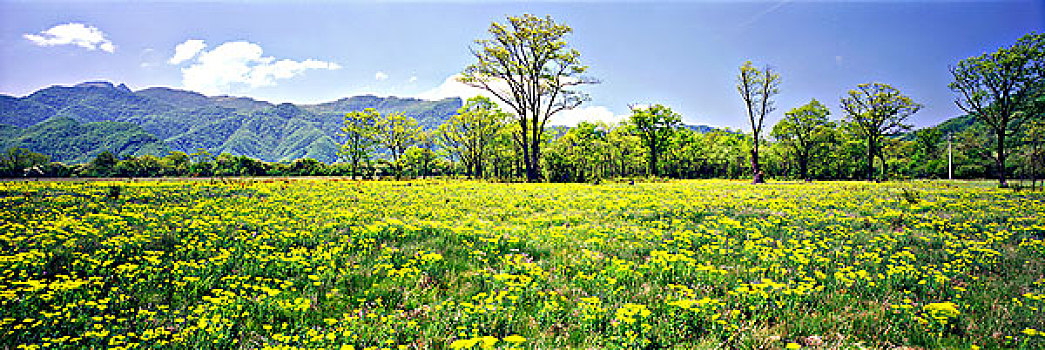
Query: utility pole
(950, 162)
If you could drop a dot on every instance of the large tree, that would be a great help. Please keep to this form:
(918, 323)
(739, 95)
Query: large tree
(472, 130)
(995, 86)
(804, 129)
(878, 110)
(358, 129)
(654, 126)
(15, 161)
(757, 88)
(529, 66)
(396, 132)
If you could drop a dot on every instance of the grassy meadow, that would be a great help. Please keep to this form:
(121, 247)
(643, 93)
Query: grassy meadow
(451, 265)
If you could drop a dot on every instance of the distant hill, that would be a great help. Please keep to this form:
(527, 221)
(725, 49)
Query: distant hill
(70, 141)
(159, 120)
(958, 124)
(953, 126)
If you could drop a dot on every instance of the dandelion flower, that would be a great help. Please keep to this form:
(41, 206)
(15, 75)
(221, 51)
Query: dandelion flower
(514, 338)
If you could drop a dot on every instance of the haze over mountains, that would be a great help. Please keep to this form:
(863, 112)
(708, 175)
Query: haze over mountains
(73, 124)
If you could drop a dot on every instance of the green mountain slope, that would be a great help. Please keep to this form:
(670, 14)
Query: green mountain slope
(67, 140)
(187, 121)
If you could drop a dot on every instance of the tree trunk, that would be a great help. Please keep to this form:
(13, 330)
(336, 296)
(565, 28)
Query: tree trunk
(531, 168)
(755, 169)
(881, 158)
(802, 167)
(870, 159)
(1000, 160)
(652, 166)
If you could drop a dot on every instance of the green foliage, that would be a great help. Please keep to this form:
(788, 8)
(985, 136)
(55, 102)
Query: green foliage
(359, 132)
(396, 133)
(529, 66)
(654, 125)
(757, 88)
(305, 167)
(806, 132)
(994, 87)
(877, 110)
(470, 132)
(16, 161)
(420, 161)
(582, 154)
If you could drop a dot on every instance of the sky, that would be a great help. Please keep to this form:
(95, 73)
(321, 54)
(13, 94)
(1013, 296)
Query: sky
(682, 54)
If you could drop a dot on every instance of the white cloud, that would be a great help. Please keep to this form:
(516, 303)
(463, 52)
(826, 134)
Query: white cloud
(585, 114)
(413, 79)
(240, 64)
(187, 50)
(379, 76)
(451, 87)
(78, 34)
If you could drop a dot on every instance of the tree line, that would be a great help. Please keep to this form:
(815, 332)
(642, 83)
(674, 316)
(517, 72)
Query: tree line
(528, 68)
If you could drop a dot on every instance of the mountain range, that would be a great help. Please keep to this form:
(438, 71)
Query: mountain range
(73, 124)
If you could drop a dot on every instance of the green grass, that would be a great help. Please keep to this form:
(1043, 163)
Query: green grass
(429, 264)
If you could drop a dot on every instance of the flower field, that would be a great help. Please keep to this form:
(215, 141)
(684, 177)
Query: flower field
(453, 265)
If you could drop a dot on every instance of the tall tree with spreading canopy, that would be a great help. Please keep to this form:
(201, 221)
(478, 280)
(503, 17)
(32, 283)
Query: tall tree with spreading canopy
(472, 129)
(804, 130)
(654, 125)
(358, 129)
(529, 66)
(994, 86)
(878, 110)
(396, 132)
(757, 88)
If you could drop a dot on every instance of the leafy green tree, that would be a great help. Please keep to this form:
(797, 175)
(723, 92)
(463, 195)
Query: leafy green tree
(529, 66)
(358, 128)
(1034, 149)
(15, 161)
(202, 163)
(142, 166)
(581, 154)
(419, 160)
(307, 167)
(927, 148)
(685, 155)
(238, 165)
(843, 157)
(626, 150)
(471, 130)
(654, 125)
(506, 156)
(804, 130)
(176, 163)
(994, 86)
(104, 164)
(757, 88)
(396, 132)
(971, 159)
(878, 110)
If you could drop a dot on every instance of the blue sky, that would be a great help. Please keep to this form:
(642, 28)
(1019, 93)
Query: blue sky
(683, 54)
